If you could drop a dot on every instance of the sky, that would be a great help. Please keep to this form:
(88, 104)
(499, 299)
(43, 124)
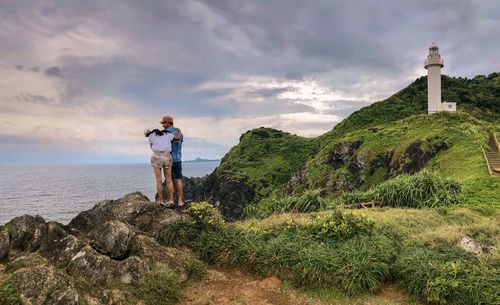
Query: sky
(80, 81)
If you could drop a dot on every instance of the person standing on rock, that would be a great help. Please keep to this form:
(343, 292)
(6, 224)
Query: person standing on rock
(160, 143)
(168, 124)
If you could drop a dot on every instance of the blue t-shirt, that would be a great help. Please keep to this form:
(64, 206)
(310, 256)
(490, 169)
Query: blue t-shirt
(176, 145)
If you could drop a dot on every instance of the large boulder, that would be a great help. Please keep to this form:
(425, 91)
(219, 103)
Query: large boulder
(152, 252)
(4, 244)
(59, 245)
(26, 233)
(113, 239)
(43, 284)
(134, 209)
(90, 267)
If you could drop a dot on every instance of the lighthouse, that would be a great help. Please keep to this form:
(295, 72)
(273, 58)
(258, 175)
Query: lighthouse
(433, 64)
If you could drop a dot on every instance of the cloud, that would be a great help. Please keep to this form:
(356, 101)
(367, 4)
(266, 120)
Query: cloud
(53, 71)
(112, 68)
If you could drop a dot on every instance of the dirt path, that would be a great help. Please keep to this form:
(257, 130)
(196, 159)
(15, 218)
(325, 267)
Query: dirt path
(232, 287)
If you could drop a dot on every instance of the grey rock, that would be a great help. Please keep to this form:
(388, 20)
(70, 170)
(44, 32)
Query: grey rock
(26, 232)
(342, 151)
(93, 268)
(113, 239)
(58, 245)
(298, 178)
(44, 284)
(416, 156)
(134, 209)
(152, 252)
(356, 164)
(4, 244)
(381, 160)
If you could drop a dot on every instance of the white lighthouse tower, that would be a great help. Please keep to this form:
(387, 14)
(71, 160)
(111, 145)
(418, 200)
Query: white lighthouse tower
(433, 64)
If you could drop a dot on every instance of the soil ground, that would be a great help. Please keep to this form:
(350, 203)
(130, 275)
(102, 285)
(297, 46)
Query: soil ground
(222, 286)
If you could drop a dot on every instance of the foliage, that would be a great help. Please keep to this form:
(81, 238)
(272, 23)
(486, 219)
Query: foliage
(177, 233)
(205, 215)
(359, 265)
(8, 292)
(160, 286)
(338, 226)
(443, 277)
(268, 157)
(195, 269)
(424, 189)
(309, 201)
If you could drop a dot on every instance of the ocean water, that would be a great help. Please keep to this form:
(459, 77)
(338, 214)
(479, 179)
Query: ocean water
(60, 192)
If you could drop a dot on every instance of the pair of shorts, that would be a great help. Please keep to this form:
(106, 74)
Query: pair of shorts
(177, 170)
(161, 159)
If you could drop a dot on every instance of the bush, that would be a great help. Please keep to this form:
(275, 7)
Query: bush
(205, 215)
(159, 287)
(358, 265)
(307, 202)
(365, 264)
(424, 189)
(338, 226)
(447, 275)
(177, 233)
(195, 269)
(8, 292)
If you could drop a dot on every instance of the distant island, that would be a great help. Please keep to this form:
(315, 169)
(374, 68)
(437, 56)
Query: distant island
(201, 160)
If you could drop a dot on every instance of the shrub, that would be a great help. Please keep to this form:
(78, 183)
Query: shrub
(365, 263)
(424, 189)
(205, 215)
(159, 287)
(338, 226)
(358, 265)
(177, 233)
(8, 292)
(307, 202)
(447, 275)
(195, 269)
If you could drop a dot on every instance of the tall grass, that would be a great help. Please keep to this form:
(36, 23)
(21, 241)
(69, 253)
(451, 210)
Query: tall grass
(446, 275)
(309, 201)
(358, 265)
(424, 189)
(160, 286)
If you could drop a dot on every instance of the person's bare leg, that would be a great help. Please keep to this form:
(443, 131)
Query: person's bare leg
(178, 186)
(170, 184)
(159, 187)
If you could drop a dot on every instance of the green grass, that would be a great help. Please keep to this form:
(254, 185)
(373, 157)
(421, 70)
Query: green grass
(315, 254)
(424, 189)
(195, 269)
(177, 233)
(8, 292)
(159, 287)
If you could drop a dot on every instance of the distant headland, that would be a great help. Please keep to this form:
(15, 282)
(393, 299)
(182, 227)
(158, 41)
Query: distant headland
(201, 160)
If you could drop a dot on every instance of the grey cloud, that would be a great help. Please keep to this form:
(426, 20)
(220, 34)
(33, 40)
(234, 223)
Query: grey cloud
(54, 71)
(35, 99)
(35, 69)
(173, 47)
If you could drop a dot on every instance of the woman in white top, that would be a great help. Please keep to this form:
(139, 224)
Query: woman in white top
(159, 141)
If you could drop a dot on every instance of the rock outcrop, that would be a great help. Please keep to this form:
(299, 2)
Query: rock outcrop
(96, 259)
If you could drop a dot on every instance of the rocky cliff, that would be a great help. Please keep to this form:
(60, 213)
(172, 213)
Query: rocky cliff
(101, 257)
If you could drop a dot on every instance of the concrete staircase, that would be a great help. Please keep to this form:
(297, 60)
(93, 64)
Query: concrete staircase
(493, 156)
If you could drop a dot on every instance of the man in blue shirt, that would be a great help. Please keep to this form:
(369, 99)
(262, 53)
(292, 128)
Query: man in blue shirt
(168, 123)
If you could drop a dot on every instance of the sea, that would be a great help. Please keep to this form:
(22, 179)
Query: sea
(60, 192)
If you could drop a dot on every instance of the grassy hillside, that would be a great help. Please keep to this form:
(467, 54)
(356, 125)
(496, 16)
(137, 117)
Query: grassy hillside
(388, 138)
(268, 157)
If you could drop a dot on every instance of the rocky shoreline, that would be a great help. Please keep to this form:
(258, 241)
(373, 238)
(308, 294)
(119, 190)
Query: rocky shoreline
(98, 258)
